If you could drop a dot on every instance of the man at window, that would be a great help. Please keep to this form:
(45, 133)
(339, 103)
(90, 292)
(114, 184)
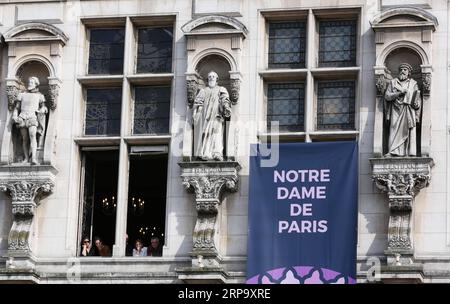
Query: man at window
(155, 248)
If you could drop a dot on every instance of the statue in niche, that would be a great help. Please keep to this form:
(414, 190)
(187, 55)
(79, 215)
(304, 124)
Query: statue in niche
(29, 116)
(402, 112)
(211, 107)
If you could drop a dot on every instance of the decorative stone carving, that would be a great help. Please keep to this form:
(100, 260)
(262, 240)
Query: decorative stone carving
(402, 179)
(426, 83)
(12, 92)
(235, 88)
(208, 180)
(26, 188)
(29, 116)
(381, 84)
(192, 87)
(211, 107)
(402, 112)
(53, 93)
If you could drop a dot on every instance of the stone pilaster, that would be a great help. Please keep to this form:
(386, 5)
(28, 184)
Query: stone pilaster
(401, 178)
(26, 185)
(208, 180)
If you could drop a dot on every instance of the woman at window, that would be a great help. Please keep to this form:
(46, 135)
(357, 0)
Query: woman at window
(87, 249)
(139, 249)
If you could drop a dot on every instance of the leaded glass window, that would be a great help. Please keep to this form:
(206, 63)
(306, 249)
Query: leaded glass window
(106, 51)
(151, 110)
(287, 45)
(103, 109)
(286, 105)
(154, 50)
(337, 43)
(336, 105)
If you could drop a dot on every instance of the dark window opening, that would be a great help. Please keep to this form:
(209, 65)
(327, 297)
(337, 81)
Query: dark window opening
(147, 200)
(154, 54)
(100, 196)
(103, 110)
(151, 110)
(106, 51)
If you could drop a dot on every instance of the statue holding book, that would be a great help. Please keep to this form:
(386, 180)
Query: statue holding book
(402, 112)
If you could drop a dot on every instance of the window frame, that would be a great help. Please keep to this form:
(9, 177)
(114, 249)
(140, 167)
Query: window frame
(312, 73)
(127, 80)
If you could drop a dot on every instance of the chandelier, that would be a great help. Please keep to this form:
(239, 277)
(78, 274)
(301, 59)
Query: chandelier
(149, 232)
(138, 206)
(109, 205)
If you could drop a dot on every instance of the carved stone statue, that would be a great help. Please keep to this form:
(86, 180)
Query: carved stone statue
(29, 116)
(211, 106)
(402, 112)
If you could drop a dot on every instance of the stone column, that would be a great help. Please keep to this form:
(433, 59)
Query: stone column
(208, 180)
(27, 186)
(402, 179)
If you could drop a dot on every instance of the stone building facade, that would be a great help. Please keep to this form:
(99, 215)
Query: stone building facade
(120, 80)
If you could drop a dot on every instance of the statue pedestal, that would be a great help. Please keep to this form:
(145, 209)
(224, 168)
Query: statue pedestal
(26, 185)
(208, 180)
(401, 178)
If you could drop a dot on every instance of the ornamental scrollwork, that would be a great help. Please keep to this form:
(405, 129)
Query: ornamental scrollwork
(401, 184)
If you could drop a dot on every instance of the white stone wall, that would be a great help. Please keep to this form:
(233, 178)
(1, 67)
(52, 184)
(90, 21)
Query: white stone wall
(57, 216)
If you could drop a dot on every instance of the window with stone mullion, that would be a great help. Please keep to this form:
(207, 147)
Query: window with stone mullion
(106, 51)
(151, 110)
(287, 44)
(336, 105)
(154, 53)
(286, 106)
(337, 43)
(103, 111)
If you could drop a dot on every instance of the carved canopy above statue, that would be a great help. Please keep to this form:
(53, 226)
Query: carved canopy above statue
(35, 31)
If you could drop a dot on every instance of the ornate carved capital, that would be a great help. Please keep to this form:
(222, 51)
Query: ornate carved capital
(26, 185)
(192, 87)
(401, 178)
(208, 180)
(26, 191)
(53, 94)
(401, 184)
(426, 83)
(210, 187)
(235, 85)
(12, 91)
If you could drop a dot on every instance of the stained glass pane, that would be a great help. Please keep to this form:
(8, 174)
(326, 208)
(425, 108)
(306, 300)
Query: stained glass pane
(286, 105)
(337, 43)
(287, 45)
(151, 110)
(106, 51)
(154, 50)
(336, 105)
(103, 109)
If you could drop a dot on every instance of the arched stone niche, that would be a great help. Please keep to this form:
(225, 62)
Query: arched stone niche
(34, 49)
(403, 35)
(213, 43)
(392, 63)
(32, 68)
(45, 61)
